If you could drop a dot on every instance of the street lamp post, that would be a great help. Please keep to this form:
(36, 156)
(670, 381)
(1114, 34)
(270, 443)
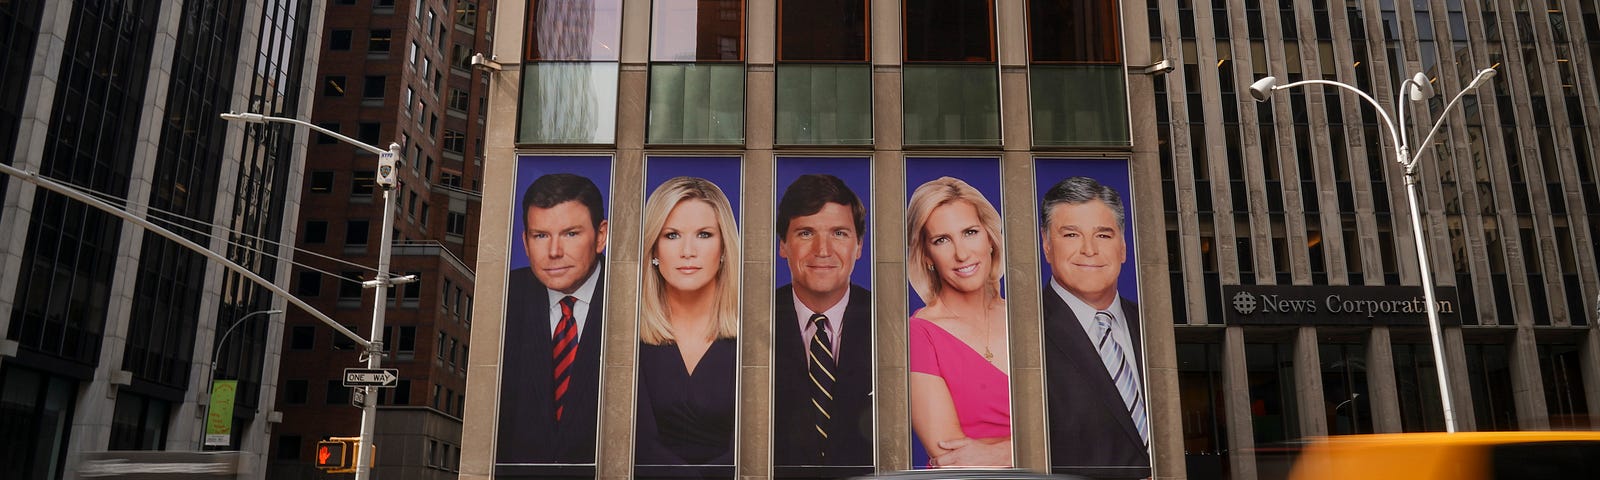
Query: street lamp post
(211, 372)
(1417, 88)
(387, 177)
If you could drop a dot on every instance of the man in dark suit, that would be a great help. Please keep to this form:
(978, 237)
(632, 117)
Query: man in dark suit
(824, 335)
(550, 376)
(1099, 422)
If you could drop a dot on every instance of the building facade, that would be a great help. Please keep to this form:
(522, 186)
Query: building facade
(1243, 210)
(112, 332)
(390, 71)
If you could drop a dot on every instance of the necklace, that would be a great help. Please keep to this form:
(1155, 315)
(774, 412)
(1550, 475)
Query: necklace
(987, 355)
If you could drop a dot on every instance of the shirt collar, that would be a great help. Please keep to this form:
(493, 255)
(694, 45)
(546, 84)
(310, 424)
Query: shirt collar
(584, 293)
(1082, 310)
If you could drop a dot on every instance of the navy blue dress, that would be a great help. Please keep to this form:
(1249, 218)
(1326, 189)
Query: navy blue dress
(686, 422)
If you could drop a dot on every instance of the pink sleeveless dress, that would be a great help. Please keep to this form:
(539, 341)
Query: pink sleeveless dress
(982, 393)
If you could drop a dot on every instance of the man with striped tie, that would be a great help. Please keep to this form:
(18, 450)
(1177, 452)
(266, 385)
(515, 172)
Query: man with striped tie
(822, 354)
(1099, 418)
(550, 373)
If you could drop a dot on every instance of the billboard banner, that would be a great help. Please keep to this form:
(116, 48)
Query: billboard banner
(1094, 361)
(554, 325)
(822, 348)
(957, 340)
(687, 395)
(219, 416)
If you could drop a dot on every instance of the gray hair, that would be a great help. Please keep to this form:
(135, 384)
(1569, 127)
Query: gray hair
(1077, 191)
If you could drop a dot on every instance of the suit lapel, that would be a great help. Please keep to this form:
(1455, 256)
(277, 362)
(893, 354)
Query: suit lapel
(1084, 357)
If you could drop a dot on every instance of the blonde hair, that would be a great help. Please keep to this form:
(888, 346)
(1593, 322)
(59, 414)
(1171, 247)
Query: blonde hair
(932, 195)
(653, 326)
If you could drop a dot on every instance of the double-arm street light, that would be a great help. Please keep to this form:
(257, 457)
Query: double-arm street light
(387, 177)
(1416, 88)
(211, 373)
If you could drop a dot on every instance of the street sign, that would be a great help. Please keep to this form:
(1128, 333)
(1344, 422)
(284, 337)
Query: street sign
(371, 377)
(358, 396)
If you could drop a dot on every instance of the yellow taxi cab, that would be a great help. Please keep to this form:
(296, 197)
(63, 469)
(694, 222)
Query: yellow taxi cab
(1464, 455)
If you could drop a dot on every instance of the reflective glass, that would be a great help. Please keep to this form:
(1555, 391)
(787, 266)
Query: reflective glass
(951, 105)
(568, 102)
(824, 105)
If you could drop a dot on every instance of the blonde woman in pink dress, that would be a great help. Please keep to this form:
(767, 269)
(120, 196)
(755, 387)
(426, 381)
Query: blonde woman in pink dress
(959, 363)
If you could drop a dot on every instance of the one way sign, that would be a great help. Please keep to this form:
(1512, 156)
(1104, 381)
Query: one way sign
(370, 377)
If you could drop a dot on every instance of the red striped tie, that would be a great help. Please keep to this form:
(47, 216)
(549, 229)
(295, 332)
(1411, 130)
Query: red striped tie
(565, 351)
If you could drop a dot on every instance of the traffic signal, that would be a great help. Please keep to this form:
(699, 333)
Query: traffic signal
(337, 454)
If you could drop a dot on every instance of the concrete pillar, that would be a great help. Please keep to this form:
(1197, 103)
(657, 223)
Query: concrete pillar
(1589, 352)
(1455, 358)
(1527, 387)
(1313, 411)
(1381, 391)
(888, 239)
(1236, 405)
(755, 369)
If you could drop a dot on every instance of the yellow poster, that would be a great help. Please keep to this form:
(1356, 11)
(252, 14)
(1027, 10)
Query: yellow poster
(219, 420)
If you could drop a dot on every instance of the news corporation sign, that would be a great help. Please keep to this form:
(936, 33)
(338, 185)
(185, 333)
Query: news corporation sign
(1335, 305)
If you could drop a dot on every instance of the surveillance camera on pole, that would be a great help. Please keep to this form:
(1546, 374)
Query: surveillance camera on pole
(389, 167)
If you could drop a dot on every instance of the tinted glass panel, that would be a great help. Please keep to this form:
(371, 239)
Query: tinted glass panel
(1079, 105)
(573, 29)
(952, 105)
(701, 104)
(568, 102)
(822, 30)
(697, 30)
(1545, 460)
(1074, 31)
(949, 31)
(824, 104)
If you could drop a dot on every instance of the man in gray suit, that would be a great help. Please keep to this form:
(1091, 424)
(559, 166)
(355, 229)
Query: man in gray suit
(1099, 422)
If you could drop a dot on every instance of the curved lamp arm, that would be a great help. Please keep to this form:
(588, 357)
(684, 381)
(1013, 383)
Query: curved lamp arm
(1382, 114)
(1483, 75)
(259, 118)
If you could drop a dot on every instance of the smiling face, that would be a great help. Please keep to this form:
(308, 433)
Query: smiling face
(1085, 249)
(958, 246)
(689, 248)
(822, 249)
(562, 244)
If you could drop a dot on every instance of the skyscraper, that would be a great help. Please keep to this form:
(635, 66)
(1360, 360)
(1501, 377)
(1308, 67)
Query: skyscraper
(110, 330)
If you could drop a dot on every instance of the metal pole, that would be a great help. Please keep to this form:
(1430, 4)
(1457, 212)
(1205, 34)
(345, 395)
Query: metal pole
(374, 353)
(1423, 264)
(211, 373)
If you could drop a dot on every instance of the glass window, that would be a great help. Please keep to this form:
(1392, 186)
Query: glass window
(289, 445)
(309, 284)
(338, 394)
(379, 41)
(573, 30)
(459, 99)
(325, 139)
(304, 337)
(697, 31)
(1273, 411)
(949, 31)
(569, 102)
(374, 86)
(696, 104)
(356, 232)
(951, 105)
(349, 289)
(1562, 369)
(294, 392)
(1418, 387)
(333, 85)
(361, 183)
(1344, 386)
(822, 30)
(1489, 377)
(1063, 115)
(339, 40)
(824, 104)
(321, 181)
(1074, 31)
(368, 132)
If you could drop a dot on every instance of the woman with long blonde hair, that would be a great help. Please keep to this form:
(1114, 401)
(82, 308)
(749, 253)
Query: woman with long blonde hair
(959, 361)
(688, 326)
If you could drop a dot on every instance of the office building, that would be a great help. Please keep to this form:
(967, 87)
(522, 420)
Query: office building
(390, 71)
(1278, 280)
(111, 330)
